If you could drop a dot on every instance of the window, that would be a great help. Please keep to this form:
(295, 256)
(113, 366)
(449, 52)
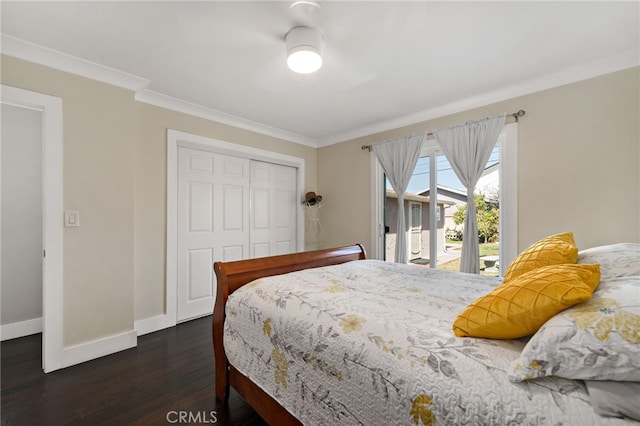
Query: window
(442, 192)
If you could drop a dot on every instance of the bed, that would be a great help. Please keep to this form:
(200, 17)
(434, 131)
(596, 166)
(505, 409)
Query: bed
(330, 337)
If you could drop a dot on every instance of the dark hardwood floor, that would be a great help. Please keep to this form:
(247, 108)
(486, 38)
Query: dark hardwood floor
(167, 379)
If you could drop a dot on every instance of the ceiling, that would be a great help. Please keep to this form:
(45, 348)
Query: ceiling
(386, 64)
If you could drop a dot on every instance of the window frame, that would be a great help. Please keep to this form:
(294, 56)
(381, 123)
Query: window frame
(508, 142)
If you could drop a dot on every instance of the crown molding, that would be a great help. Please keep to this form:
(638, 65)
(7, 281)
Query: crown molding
(35, 53)
(21, 49)
(618, 62)
(32, 52)
(158, 99)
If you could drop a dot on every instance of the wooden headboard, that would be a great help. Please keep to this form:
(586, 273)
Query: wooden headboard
(233, 275)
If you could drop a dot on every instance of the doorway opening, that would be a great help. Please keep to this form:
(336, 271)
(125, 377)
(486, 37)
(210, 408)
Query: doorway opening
(48, 111)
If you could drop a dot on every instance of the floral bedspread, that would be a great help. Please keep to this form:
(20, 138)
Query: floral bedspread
(370, 343)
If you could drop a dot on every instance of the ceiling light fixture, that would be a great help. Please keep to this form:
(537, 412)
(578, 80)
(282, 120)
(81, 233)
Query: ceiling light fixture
(304, 46)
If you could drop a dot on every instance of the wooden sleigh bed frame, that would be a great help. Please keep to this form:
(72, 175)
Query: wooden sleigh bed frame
(233, 275)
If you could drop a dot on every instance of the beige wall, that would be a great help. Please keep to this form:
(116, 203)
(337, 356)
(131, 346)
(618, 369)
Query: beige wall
(99, 136)
(115, 175)
(578, 165)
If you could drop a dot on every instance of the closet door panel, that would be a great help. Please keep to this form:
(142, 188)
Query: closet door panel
(273, 209)
(229, 208)
(213, 224)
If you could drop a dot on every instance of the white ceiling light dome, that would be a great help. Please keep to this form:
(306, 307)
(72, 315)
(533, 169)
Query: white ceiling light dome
(304, 49)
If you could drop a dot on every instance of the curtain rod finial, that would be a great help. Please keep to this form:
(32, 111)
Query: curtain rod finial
(518, 114)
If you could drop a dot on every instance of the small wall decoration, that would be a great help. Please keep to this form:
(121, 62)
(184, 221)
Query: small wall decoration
(311, 199)
(313, 227)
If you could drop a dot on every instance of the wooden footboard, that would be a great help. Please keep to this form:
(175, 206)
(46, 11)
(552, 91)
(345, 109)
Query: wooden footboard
(233, 275)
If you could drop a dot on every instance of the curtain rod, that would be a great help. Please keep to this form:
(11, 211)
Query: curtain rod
(515, 116)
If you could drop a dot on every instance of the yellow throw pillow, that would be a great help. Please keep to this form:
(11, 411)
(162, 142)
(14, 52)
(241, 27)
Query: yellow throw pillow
(521, 306)
(553, 250)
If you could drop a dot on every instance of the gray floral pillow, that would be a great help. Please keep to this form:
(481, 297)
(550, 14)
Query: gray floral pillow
(595, 340)
(616, 260)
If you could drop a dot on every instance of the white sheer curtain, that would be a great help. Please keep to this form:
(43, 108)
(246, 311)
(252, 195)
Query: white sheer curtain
(468, 147)
(398, 159)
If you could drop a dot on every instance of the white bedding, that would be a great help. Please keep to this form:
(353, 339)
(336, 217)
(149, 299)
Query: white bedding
(370, 342)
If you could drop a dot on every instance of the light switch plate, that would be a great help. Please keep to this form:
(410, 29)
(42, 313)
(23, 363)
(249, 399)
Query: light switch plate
(71, 219)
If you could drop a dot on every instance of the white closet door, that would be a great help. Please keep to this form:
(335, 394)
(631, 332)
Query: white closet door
(213, 219)
(273, 209)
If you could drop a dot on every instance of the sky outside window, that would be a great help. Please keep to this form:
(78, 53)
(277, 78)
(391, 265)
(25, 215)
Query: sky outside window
(446, 176)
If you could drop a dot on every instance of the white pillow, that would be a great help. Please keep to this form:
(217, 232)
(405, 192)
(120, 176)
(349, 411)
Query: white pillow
(616, 260)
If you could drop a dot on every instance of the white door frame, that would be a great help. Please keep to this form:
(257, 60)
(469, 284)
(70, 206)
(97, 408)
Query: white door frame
(174, 140)
(52, 187)
(411, 233)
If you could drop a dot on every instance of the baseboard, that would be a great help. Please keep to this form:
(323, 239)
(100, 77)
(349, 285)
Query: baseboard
(98, 348)
(20, 329)
(157, 323)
